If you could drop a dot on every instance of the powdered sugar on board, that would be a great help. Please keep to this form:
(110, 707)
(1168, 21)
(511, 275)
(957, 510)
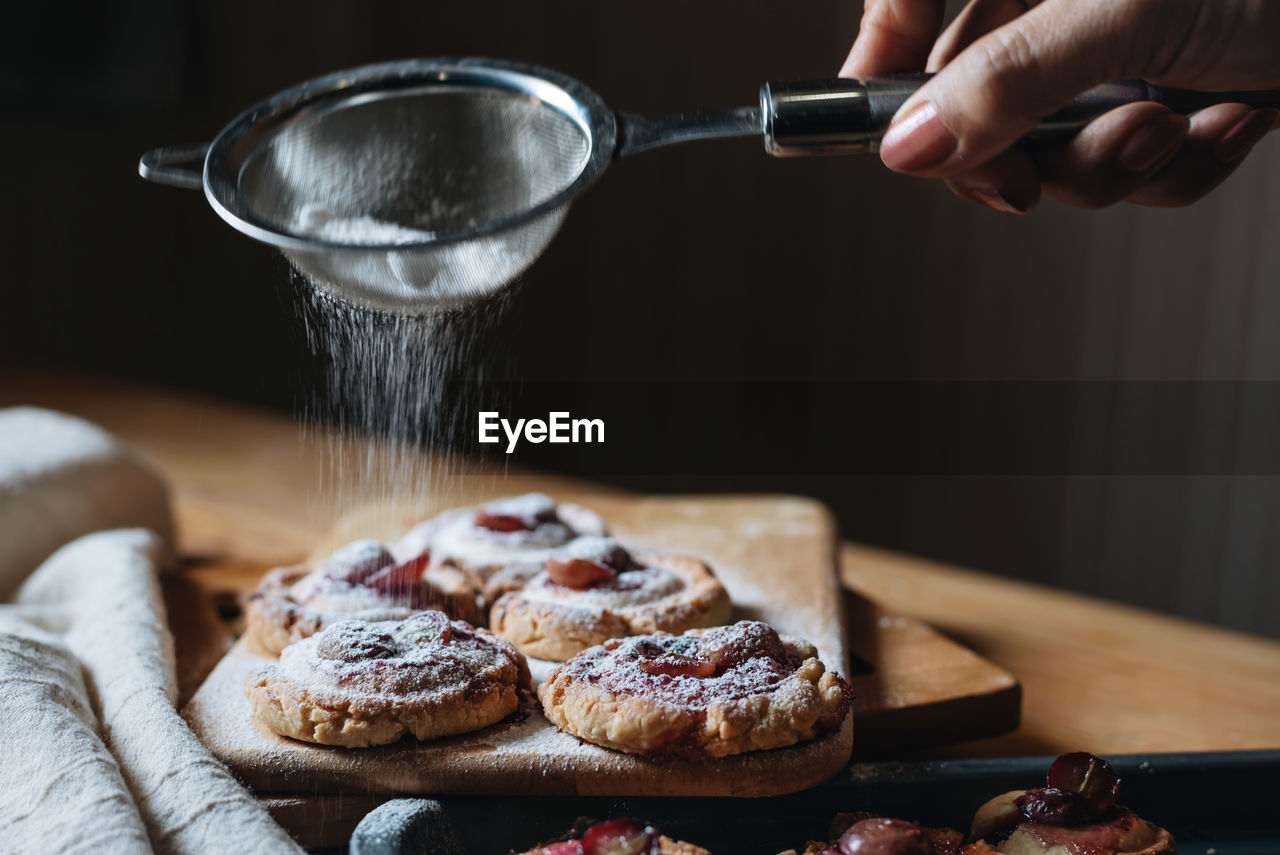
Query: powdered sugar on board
(775, 556)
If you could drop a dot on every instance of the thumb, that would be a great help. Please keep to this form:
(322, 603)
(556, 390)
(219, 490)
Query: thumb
(1000, 86)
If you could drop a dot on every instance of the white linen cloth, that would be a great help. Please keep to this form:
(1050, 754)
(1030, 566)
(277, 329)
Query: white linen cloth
(62, 477)
(93, 755)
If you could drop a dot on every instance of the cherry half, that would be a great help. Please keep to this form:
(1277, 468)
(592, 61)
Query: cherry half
(1089, 777)
(884, 836)
(503, 522)
(618, 837)
(675, 665)
(1053, 806)
(522, 513)
(358, 560)
(1081, 789)
(398, 580)
(578, 572)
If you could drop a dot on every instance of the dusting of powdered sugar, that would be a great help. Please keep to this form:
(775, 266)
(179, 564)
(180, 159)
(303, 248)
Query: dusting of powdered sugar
(454, 536)
(322, 593)
(757, 664)
(422, 656)
(318, 222)
(630, 588)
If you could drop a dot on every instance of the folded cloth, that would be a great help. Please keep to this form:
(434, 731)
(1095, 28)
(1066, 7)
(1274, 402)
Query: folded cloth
(100, 596)
(61, 790)
(62, 477)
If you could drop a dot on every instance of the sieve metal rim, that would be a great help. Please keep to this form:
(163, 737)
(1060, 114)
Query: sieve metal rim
(233, 148)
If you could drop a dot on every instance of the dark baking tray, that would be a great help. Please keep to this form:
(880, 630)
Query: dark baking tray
(1223, 802)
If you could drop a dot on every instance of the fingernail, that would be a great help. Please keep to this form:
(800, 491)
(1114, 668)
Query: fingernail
(994, 201)
(1244, 135)
(1153, 141)
(917, 141)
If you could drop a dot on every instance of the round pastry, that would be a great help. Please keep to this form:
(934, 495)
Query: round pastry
(706, 693)
(618, 837)
(361, 683)
(361, 580)
(593, 590)
(1076, 811)
(500, 544)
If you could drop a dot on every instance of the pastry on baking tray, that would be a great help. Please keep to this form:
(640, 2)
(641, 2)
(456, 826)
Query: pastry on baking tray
(706, 693)
(1076, 811)
(593, 590)
(618, 837)
(501, 543)
(361, 580)
(1074, 814)
(361, 683)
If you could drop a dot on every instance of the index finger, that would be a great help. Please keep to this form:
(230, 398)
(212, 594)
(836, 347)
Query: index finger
(895, 36)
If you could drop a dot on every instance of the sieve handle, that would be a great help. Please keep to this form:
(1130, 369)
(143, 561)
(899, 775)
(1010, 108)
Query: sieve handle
(842, 116)
(161, 165)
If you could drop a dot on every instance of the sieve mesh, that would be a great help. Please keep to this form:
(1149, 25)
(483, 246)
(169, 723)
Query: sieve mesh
(399, 194)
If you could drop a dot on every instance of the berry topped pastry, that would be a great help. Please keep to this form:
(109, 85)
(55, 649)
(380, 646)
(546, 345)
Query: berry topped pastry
(360, 683)
(1075, 812)
(618, 837)
(594, 589)
(501, 543)
(361, 580)
(706, 693)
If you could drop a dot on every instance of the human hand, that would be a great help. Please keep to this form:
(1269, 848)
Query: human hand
(1003, 65)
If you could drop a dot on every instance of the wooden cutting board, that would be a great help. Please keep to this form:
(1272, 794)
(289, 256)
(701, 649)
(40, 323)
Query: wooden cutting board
(775, 555)
(913, 686)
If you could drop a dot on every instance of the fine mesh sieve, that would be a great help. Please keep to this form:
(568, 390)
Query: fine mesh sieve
(421, 185)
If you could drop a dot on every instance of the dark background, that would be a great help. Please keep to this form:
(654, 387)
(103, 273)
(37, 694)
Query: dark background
(1086, 400)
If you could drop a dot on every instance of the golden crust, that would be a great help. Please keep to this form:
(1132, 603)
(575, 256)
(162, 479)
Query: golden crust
(274, 619)
(809, 702)
(299, 702)
(557, 630)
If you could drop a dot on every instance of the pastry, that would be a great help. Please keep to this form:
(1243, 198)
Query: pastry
(361, 580)
(500, 544)
(361, 683)
(593, 590)
(1075, 812)
(618, 837)
(706, 693)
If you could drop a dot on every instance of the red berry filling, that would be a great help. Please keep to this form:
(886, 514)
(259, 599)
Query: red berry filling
(521, 513)
(502, 522)
(619, 837)
(580, 573)
(1081, 789)
(357, 561)
(588, 562)
(675, 665)
(616, 665)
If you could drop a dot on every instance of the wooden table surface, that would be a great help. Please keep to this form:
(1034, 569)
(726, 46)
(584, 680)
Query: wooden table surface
(1096, 676)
